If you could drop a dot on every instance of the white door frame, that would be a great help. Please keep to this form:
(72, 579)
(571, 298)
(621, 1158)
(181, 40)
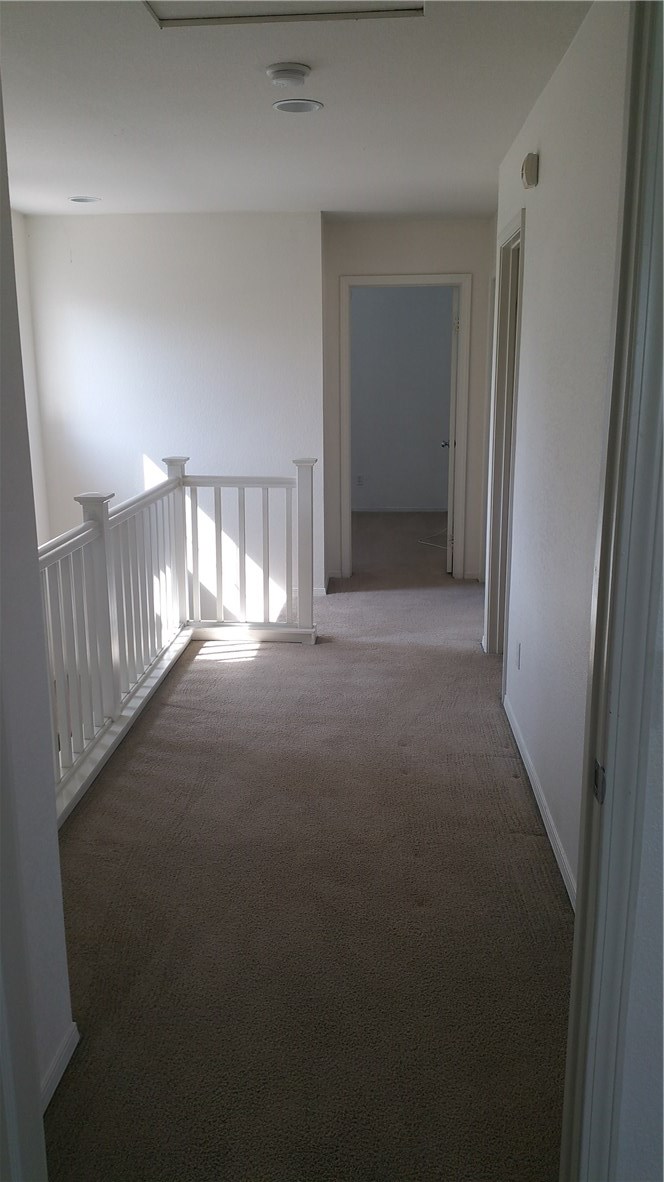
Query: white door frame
(458, 403)
(502, 432)
(626, 602)
(451, 432)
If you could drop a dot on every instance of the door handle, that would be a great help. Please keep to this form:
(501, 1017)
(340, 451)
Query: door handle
(445, 443)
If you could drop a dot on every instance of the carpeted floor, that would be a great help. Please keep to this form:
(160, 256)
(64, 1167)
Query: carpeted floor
(316, 931)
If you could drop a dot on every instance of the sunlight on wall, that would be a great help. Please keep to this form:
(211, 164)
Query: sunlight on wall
(152, 473)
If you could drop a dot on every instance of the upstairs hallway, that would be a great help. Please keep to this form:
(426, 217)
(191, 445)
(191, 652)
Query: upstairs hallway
(315, 928)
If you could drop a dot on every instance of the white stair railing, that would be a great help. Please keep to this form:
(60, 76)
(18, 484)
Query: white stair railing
(122, 596)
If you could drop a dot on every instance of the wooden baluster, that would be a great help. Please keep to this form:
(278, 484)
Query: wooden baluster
(135, 572)
(242, 551)
(196, 582)
(305, 547)
(172, 571)
(143, 578)
(51, 675)
(95, 508)
(163, 605)
(219, 558)
(123, 643)
(266, 555)
(167, 567)
(175, 466)
(289, 556)
(71, 664)
(154, 527)
(93, 637)
(128, 605)
(82, 648)
(149, 581)
(61, 695)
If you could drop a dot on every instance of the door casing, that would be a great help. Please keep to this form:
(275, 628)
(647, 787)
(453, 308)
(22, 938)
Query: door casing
(502, 433)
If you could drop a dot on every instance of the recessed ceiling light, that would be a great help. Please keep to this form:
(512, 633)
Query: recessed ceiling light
(85, 200)
(298, 106)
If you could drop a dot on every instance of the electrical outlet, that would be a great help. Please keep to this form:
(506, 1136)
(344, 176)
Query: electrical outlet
(518, 655)
(359, 480)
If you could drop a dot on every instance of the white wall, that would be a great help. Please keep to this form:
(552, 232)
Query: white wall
(570, 261)
(408, 246)
(400, 365)
(32, 920)
(30, 377)
(176, 334)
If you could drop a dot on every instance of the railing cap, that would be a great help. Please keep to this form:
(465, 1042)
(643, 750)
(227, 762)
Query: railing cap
(304, 463)
(87, 498)
(175, 459)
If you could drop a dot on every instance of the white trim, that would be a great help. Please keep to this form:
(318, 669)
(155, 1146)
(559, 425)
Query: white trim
(76, 783)
(55, 1072)
(502, 435)
(462, 281)
(538, 792)
(262, 633)
(404, 509)
(486, 428)
(627, 586)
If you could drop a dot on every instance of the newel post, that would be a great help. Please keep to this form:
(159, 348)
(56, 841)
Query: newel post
(175, 466)
(95, 509)
(305, 543)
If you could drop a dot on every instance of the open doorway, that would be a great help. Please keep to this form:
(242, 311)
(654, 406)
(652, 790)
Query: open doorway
(402, 357)
(404, 390)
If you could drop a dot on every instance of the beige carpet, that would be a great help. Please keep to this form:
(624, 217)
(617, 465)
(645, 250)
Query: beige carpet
(315, 928)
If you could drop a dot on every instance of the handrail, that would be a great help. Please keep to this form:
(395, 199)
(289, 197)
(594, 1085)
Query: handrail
(126, 509)
(239, 481)
(67, 543)
(192, 555)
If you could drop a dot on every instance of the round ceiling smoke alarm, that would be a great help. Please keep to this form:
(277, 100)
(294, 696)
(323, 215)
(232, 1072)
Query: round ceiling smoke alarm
(288, 73)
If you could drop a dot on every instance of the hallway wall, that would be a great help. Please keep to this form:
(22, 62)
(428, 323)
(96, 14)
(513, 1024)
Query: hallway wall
(400, 359)
(194, 334)
(33, 409)
(573, 220)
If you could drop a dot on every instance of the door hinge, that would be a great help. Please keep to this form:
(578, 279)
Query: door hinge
(599, 787)
(456, 324)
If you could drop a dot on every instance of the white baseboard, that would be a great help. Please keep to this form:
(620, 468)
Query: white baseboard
(409, 509)
(261, 633)
(538, 791)
(57, 1069)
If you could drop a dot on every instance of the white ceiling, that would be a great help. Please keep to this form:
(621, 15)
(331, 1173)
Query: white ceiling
(418, 113)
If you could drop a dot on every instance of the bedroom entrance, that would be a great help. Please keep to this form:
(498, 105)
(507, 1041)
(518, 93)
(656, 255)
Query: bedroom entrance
(404, 381)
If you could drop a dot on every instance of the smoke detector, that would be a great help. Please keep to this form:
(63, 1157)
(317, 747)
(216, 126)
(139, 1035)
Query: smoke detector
(288, 73)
